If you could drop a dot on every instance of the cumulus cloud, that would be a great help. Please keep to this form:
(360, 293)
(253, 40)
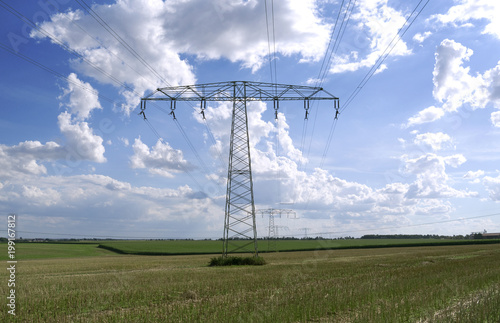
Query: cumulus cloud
(420, 37)
(161, 159)
(28, 157)
(453, 84)
(82, 98)
(378, 23)
(492, 185)
(495, 119)
(22, 159)
(455, 87)
(237, 30)
(434, 140)
(467, 11)
(473, 176)
(427, 115)
(431, 177)
(80, 139)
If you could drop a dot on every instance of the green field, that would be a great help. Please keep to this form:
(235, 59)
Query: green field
(37, 250)
(401, 284)
(187, 247)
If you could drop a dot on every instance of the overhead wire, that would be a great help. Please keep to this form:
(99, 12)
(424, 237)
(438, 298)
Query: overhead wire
(102, 45)
(373, 69)
(70, 50)
(330, 52)
(129, 48)
(116, 36)
(64, 46)
(402, 226)
(326, 63)
(401, 32)
(316, 234)
(274, 79)
(184, 168)
(55, 73)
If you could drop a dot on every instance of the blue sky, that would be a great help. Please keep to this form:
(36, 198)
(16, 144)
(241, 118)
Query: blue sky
(416, 150)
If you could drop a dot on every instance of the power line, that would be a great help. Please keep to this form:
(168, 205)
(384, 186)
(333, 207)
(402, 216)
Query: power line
(308, 234)
(116, 36)
(102, 45)
(402, 226)
(385, 53)
(330, 53)
(64, 46)
(184, 168)
(67, 48)
(55, 73)
(269, 43)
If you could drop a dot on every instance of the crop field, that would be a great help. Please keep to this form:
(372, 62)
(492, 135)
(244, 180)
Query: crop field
(183, 247)
(401, 284)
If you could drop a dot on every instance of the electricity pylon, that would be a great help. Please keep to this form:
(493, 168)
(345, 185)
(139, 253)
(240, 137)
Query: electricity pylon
(240, 233)
(273, 229)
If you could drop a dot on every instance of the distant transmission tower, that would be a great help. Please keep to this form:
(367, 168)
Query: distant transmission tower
(273, 229)
(305, 231)
(240, 233)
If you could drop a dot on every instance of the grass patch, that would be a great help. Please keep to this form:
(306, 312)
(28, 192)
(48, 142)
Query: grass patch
(236, 261)
(44, 250)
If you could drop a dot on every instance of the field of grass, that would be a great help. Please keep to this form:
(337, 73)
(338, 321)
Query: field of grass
(418, 284)
(186, 247)
(53, 250)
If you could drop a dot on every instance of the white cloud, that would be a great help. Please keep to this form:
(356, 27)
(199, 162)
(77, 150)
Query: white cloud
(419, 37)
(81, 142)
(474, 175)
(379, 23)
(82, 97)
(493, 187)
(495, 119)
(27, 158)
(38, 196)
(473, 10)
(453, 84)
(21, 159)
(455, 87)
(429, 114)
(124, 141)
(161, 159)
(434, 140)
(431, 178)
(237, 30)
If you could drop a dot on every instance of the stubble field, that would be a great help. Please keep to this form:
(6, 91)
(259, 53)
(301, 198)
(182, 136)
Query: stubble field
(408, 284)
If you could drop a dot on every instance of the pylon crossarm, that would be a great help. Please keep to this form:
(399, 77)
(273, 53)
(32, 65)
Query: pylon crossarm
(240, 91)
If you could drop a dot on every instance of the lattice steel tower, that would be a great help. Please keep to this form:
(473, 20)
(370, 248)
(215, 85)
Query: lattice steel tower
(240, 232)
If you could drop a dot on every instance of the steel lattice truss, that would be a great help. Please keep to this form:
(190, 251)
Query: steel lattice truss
(240, 90)
(240, 233)
(273, 229)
